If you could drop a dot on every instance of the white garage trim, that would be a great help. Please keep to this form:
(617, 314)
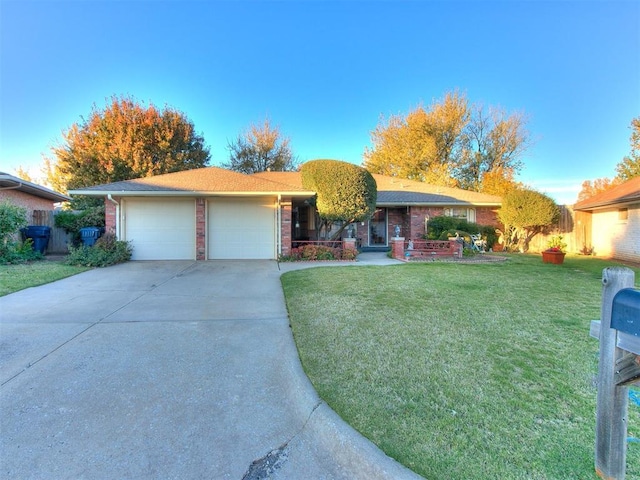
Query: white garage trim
(160, 229)
(241, 228)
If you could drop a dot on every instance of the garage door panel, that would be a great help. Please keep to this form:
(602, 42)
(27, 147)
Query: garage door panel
(161, 229)
(241, 228)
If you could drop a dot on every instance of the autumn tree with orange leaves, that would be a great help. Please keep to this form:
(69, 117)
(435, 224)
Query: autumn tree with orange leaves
(123, 141)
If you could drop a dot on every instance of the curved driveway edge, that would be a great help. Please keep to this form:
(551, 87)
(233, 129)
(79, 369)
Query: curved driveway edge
(167, 370)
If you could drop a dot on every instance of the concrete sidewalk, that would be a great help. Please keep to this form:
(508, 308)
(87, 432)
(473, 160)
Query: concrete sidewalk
(167, 370)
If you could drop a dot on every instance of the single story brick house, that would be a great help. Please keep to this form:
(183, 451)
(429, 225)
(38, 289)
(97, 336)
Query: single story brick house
(612, 221)
(28, 195)
(213, 213)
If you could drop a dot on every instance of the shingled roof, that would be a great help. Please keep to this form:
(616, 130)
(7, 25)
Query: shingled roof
(219, 181)
(208, 180)
(9, 182)
(624, 194)
(396, 191)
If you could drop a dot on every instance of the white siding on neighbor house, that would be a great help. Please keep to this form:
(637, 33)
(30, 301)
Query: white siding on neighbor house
(160, 229)
(613, 237)
(242, 228)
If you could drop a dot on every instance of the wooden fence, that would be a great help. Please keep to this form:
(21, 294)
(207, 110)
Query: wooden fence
(575, 228)
(59, 240)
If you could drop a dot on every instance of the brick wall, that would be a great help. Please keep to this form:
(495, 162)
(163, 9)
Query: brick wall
(25, 200)
(616, 237)
(488, 216)
(396, 216)
(362, 233)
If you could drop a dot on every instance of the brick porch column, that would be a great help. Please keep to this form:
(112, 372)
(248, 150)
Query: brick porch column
(349, 244)
(397, 248)
(285, 227)
(110, 213)
(201, 226)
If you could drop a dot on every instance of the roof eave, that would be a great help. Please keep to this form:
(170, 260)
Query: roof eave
(186, 193)
(15, 183)
(431, 204)
(605, 205)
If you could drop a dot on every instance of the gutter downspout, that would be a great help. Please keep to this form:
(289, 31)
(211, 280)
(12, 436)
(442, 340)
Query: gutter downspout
(118, 222)
(16, 186)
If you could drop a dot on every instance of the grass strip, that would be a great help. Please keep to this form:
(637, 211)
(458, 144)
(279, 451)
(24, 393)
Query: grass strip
(21, 276)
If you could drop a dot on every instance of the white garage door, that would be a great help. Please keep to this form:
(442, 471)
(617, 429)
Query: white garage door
(161, 229)
(242, 228)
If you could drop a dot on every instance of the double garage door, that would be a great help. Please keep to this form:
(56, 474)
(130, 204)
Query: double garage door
(165, 229)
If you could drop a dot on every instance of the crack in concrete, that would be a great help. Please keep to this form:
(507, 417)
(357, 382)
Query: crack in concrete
(264, 467)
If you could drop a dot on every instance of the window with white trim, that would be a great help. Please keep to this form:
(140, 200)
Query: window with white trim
(468, 214)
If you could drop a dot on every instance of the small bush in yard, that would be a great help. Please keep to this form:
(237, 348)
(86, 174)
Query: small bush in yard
(12, 218)
(19, 252)
(349, 254)
(106, 251)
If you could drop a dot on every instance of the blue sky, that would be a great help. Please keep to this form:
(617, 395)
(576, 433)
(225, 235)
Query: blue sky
(326, 72)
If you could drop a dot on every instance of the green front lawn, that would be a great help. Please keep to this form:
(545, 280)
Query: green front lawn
(18, 277)
(461, 371)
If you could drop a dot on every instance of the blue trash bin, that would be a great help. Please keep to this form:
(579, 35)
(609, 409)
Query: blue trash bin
(89, 235)
(40, 235)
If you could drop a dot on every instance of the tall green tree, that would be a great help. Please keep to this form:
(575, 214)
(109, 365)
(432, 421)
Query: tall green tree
(345, 193)
(261, 148)
(123, 141)
(453, 144)
(629, 167)
(524, 214)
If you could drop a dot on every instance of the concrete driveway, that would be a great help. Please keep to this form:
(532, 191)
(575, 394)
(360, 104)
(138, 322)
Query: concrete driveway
(178, 369)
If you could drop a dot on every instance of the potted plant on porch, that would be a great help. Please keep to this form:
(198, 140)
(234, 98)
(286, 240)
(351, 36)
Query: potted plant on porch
(555, 251)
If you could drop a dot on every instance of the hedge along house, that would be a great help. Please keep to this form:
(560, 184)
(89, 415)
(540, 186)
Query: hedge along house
(200, 214)
(400, 202)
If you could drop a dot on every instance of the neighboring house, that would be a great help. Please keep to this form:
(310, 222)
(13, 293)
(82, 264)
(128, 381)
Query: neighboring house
(28, 195)
(612, 218)
(213, 213)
